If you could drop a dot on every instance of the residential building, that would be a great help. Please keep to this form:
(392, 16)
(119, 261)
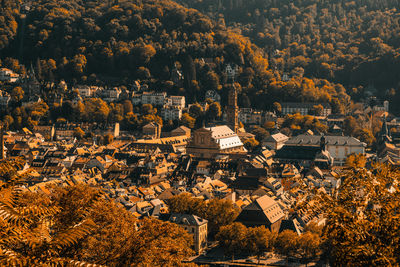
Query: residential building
(275, 141)
(152, 129)
(84, 90)
(194, 225)
(177, 101)
(250, 116)
(339, 147)
(304, 108)
(7, 75)
(213, 95)
(306, 155)
(4, 99)
(171, 113)
(155, 99)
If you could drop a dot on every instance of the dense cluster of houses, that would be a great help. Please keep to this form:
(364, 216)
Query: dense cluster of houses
(141, 172)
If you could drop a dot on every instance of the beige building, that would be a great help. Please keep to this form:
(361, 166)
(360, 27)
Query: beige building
(195, 226)
(212, 141)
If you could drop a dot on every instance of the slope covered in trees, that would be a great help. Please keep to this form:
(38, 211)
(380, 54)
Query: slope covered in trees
(120, 41)
(355, 43)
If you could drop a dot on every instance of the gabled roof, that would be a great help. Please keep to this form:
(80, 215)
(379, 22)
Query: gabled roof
(329, 140)
(264, 210)
(278, 137)
(185, 219)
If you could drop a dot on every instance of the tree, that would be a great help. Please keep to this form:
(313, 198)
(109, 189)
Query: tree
(232, 238)
(365, 135)
(214, 110)
(362, 226)
(350, 125)
(309, 246)
(96, 110)
(79, 133)
(196, 110)
(259, 241)
(277, 107)
(317, 110)
(251, 143)
(218, 212)
(286, 243)
(17, 94)
(356, 161)
(30, 234)
(260, 133)
(108, 139)
(187, 120)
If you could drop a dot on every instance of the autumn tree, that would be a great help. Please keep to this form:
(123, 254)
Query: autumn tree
(188, 120)
(214, 110)
(17, 94)
(233, 238)
(362, 224)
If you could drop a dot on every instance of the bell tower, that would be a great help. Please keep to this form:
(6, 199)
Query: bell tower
(232, 109)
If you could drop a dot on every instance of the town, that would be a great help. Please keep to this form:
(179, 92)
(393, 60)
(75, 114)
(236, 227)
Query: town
(264, 162)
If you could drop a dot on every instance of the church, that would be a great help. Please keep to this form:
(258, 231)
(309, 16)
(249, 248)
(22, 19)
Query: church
(219, 140)
(212, 141)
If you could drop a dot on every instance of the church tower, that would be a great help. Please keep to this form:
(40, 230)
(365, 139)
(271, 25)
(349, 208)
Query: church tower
(2, 156)
(232, 109)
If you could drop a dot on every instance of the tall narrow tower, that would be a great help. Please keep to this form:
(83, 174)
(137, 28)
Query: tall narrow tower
(2, 142)
(232, 109)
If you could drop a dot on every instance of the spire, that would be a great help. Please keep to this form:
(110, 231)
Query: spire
(322, 143)
(2, 142)
(384, 135)
(384, 130)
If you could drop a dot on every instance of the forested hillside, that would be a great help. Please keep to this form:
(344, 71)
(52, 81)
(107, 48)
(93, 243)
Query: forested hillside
(355, 43)
(121, 41)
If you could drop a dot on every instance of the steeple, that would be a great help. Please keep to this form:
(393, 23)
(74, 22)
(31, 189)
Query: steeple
(232, 109)
(322, 143)
(384, 135)
(2, 142)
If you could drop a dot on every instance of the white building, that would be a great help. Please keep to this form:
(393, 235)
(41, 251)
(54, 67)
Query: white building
(84, 90)
(111, 94)
(304, 108)
(176, 101)
(250, 116)
(155, 99)
(275, 141)
(4, 99)
(339, 147)
(171, 113)
(7, 75)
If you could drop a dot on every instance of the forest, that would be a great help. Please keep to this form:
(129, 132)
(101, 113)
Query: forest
(118, 42)
(353, 43)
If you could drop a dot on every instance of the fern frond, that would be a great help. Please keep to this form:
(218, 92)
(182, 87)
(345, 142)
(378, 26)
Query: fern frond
(71, 236)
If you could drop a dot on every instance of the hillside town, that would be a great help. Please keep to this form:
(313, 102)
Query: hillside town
(142, 169)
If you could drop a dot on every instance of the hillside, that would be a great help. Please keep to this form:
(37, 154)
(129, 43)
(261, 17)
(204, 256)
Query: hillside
(117, 42)
(355, 43)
